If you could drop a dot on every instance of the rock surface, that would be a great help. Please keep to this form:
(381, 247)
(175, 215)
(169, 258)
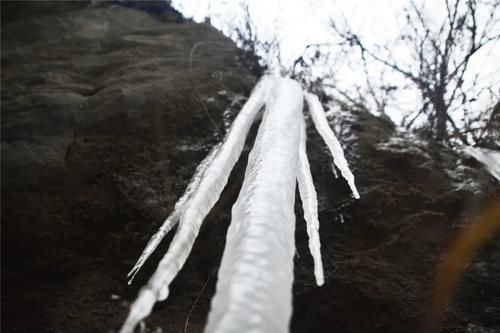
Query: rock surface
(105, 114)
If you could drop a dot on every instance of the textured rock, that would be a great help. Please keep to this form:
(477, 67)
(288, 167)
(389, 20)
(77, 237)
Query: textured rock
(102, 127)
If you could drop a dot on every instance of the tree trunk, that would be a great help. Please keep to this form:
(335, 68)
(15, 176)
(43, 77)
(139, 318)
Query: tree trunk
(441, 117)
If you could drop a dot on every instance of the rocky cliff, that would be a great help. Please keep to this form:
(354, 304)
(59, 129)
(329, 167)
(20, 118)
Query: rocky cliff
(106, 111)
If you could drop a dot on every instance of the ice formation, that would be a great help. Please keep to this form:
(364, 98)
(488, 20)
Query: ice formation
(254, 287)
(321, 123)
(173, 218)
(309, 204)
(489, 157)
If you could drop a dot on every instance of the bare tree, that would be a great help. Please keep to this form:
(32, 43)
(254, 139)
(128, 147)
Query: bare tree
(251, 43)
(441, 56)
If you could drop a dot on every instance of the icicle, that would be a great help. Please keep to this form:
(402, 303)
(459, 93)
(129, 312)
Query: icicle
(321, 124)
(173, 218)
(310, 205)
(334, 171)
(254, 288)
(200, 203)
(489, 157)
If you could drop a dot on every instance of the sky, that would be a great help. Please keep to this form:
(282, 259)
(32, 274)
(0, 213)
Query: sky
(297, 23)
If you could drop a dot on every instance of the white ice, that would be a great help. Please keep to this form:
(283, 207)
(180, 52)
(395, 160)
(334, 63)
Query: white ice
(321, 123)
(200, 202)
(173, 218)
(254, 287)
(489, 157)
(310, 205)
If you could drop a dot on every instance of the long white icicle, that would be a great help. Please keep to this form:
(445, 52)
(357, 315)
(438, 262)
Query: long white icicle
(309, 204)
(200, 203)
(174, 216)
(254, 287)
(321, 124)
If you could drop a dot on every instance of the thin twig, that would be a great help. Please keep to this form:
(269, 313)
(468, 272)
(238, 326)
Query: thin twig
(194, 304)
(195, 88)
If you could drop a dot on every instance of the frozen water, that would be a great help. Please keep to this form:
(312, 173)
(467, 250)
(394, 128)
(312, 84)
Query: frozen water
(198, 205)
(254, 287)
(309, 204)
(489, 157)
(320, 122)
(256, 274)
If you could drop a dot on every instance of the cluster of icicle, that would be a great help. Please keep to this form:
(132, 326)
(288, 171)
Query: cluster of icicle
(254, 287)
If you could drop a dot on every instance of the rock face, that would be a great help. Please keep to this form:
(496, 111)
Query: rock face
(106, 111)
